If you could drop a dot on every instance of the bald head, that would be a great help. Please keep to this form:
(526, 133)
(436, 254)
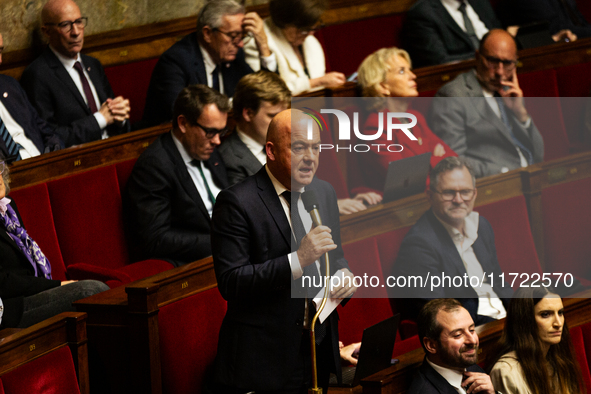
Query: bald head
(65, 38)
(292, 157)
(496, 59)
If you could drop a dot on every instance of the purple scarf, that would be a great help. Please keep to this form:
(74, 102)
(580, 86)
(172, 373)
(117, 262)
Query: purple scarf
(25, 243)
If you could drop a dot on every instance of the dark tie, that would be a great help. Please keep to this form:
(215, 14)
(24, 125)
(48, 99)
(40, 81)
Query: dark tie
(505, 118)
(215, 78)
(11, 146)
(86, 87)
(310, 271)
(469, 26)
(197, 163)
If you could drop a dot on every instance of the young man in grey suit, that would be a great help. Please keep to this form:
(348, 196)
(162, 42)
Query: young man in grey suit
(258, 98)
(69, 90)
(482, 116)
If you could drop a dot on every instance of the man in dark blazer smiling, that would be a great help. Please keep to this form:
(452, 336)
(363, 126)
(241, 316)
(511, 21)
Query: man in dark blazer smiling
(175, 182)
(69, 90)
(259, 264)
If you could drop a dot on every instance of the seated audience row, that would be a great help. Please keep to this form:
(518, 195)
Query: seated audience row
(28, 294)
(536, 354)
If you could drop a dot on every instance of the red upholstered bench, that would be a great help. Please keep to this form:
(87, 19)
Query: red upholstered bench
(50, 357)
(78, 222)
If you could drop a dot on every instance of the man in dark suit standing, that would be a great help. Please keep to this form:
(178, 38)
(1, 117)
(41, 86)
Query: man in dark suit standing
(445, 31)
(258, 98)
(69, 90)
(261, 255)
(447, 334)
(452, 240)
(23, 133)
(174, 184)
(212, 56)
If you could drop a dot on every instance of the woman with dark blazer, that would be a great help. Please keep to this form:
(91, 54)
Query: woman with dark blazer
(28, 293)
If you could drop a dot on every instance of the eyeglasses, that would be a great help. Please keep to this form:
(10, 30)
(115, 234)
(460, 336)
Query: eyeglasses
(311, 30)
(210, 132)
(235, 37)
(494, 62)
(67, 26)
(449, 195)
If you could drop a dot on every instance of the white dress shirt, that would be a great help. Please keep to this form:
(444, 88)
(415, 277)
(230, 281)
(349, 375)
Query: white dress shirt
(257, 149)
(453, 377)
(489, 304)
(452, 6)
(18, 134)
(69, 66)
(197, 178)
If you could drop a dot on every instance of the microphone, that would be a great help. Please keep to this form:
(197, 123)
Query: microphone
(311, 205)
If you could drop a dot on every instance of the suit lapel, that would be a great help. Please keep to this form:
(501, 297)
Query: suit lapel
(483, 108)
(448, 248)
(440, 10)
(269, 197)
(63, 76)
(199, 65)
(436, 379)
(245, 156)
(287, 51)
(180, 169)
(95, 77)
(218, 172)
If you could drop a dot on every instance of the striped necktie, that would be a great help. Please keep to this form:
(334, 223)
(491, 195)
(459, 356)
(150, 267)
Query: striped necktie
(11, 146)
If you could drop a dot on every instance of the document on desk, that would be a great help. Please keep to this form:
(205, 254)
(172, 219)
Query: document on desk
(331, 303)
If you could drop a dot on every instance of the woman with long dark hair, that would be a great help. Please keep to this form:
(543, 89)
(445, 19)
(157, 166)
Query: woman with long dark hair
(536, 353)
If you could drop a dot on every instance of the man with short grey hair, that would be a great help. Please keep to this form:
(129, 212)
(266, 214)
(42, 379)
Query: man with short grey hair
(212, 56)
(453, 241)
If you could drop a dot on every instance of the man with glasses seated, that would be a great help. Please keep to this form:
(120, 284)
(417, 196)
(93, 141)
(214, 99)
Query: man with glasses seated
(450, 240)
(174, 183)
(69, 90)
(486, 121)
(212, 56)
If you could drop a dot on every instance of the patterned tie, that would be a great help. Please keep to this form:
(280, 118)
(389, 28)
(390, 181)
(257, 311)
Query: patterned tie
(11, 146)
(469, 26)
(310, 271)
(197, 163)
(528, 155)
(86, 87)
(215, 78)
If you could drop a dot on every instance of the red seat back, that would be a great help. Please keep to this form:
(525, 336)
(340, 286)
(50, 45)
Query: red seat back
(582, 345)
(35, 210)
(347, 44)
(329, 168)
(131, 81)
(188, 331)
(516, 250)
(567, 225)
(541, 83)
(574, 81)
(52, 373)
(88, 218)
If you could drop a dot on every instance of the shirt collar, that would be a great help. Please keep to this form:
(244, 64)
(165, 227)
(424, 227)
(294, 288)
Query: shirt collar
(252, 144)
(455, 4)
(453, 377)
(66, 61)
(184, 154)
(279, 188)
(207, 60)
(4, 204)
(470, 227)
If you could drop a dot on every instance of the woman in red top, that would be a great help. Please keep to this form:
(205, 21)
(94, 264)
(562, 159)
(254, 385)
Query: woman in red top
(387, 74)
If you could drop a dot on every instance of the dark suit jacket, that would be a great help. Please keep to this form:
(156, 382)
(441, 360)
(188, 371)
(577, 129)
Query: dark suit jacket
(167, 214)
(36, 129)
(180, 66)
(431, 36)
(251, 237)
(521, 12)
(462, 118)
(17, 278)
(427, 249)
(239, 160)
(429, 381)
(57, 99)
